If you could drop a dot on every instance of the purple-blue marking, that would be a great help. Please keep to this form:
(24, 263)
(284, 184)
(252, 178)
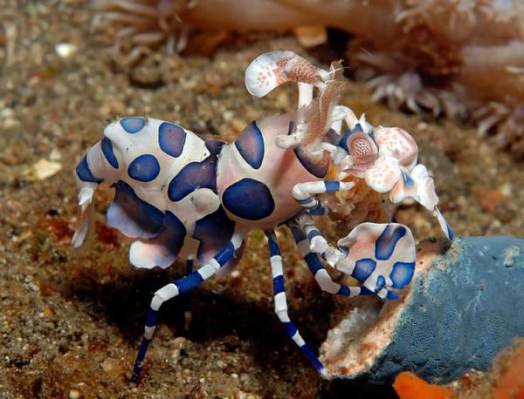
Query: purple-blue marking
(363, 269)
(386, 243)
(192, 177)
(250, 145)
(84, 173)
(213, 231)
(318, 168)
(249, 199)
(133, 124)
(133, 216)
(144, 168)
(171, 139)
(402, 274)
(107, 150)
(171, 238)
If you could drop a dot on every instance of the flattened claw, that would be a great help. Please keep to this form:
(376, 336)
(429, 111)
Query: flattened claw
(420, 186)
(380, 256)
(425, 186)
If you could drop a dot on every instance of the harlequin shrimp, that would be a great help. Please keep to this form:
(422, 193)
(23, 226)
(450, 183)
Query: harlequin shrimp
(182, 197)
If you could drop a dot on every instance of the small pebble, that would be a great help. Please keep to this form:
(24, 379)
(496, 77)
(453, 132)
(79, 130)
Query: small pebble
(74, 394)
(65, 50)
(43, 169)
(109, 364)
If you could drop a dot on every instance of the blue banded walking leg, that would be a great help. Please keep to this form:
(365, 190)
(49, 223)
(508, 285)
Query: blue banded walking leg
(180, 286)
(303, 193)
(317, 242)
(187, 303)
(281, 302)
(320, 274)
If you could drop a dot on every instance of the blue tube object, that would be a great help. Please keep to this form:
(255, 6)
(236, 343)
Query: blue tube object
(461, 311)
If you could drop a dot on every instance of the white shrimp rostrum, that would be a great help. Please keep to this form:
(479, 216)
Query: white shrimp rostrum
(179, 196)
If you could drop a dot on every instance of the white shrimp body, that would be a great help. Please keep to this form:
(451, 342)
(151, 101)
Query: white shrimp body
(165, 180)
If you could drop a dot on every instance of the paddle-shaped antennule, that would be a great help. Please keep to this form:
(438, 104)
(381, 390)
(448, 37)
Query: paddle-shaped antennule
(270, 70)
(380, 256)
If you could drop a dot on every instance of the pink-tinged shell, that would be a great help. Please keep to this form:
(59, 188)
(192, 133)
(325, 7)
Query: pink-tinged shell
(399, 144)
(280, 170)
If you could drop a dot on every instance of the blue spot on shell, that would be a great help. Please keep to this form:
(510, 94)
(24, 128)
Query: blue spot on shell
(163, 249)
(173, 234)
(84, 173)
(363, 269)
(133, 216)
(192, 177)
(402, 273)
(249, 199)
(213, 231)
(317, 168)
(386, 243)
(214, 146)
(250, 145)
(171, 138)
(392, 296)
(408, 180)
(133, 124)
(144, 168)
(107, 149)
(381, 282)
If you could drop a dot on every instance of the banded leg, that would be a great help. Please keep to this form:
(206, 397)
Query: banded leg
(304, 192)
(187, 302)
(180, 286)
(281, 302)
(320, 274)
(316, 242)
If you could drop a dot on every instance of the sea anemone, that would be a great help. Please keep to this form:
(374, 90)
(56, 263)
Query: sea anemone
(444, 57)
(140, 25)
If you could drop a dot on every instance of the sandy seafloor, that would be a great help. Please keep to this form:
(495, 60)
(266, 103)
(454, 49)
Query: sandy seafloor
(71, 321)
